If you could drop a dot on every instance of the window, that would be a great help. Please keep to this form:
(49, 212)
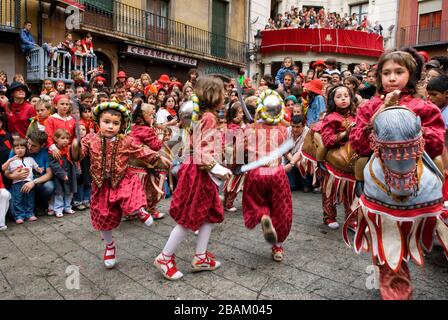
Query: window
(429, 27)
(361, 10)
(219, 27)
(164, 8)
(102, 5)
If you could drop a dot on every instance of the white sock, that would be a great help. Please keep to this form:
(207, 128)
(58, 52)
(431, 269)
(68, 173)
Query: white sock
(204, 235)
(107, 236)
(176, 237)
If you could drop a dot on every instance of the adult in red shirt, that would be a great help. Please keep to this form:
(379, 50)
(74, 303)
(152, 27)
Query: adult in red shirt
(19, 111)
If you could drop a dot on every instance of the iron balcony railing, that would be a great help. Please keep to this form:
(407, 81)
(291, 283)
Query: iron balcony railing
(416, 35)
(58, 65)
(10, 15)
(125, 20)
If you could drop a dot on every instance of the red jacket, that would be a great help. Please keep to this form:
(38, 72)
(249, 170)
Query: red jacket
(431, 118)
(54, 122)
(19, 117)
(332, 125)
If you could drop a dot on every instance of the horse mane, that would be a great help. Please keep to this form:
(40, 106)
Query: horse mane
(397, 124)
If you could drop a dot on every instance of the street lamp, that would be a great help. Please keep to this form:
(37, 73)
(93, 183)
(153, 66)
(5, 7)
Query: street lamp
(252, 53)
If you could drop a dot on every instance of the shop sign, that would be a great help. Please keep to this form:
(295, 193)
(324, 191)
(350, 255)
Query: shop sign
(219, 70)
(156, 54)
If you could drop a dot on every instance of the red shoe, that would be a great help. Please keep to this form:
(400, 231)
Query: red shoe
(332, 223)
(157, 215)
(204, 262)
(395, 286)
(277, 253)
(167, 265)
(109, 256)
(145, 217)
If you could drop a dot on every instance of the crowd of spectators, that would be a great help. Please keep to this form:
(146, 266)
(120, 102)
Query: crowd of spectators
(319, 19)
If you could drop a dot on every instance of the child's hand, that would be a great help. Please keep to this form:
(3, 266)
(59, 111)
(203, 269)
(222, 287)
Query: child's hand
(350, 127)
(391, 98)
(66, 178)
(163, 163)
(40, 170)
(56, 154)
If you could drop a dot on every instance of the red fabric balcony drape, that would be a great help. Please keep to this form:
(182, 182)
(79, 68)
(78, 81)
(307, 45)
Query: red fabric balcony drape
(322, 40)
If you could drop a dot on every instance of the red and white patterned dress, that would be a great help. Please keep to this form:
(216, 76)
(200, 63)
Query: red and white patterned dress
(115, 191)
(336, 186)
(195, 199)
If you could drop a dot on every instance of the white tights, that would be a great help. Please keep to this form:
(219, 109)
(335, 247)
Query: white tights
(107, 237)
(178, 235)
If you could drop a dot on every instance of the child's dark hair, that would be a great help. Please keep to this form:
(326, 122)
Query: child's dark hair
(297, 92)
(354, 81)
(137, 114)
(209, 91)
(102, 95)
(438, 84)
(298, 119)
(61, 132)
(331, 105)
(83, 108)
(269, 81)
(37, 136)
(443, 62)
(86, 95)
(233, 109)
(119, 85)
(408, 58)
(20, 142)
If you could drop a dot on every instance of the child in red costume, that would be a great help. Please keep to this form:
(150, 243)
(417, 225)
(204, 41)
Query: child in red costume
(399, 89)
(336, 127)
(397, 75)
(115, 191)
(145, 134)
(235, 131)
(266, 194)
(196, 204)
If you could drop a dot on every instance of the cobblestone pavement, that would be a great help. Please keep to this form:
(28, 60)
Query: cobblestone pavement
(34, 258)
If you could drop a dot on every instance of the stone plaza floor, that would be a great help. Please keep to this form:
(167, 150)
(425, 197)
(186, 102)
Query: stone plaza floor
(38, 261)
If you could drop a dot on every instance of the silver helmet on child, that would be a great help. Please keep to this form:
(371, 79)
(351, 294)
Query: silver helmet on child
(270, 107)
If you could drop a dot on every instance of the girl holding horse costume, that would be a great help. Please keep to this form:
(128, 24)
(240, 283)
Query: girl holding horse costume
(399, 210)
(115, 190)
(396, 82)
(336, 127)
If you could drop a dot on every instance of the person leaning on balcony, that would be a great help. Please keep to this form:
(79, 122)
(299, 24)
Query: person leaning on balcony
(87, 45)
(26, 39)
(19, 111)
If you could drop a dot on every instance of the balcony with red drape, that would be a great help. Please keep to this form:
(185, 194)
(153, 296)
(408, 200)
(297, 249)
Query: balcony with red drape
(346, 42)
